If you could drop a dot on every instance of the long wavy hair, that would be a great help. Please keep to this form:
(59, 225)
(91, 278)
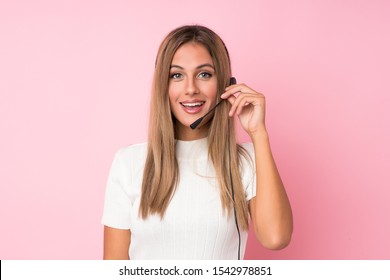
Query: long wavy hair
(161, 173)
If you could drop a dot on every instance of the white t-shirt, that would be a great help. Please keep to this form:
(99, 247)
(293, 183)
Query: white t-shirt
(194, 225)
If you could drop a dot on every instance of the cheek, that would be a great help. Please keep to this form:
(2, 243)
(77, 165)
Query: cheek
(173, 93)
(211, 91)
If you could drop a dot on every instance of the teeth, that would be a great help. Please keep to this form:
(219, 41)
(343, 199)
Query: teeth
(195, 104)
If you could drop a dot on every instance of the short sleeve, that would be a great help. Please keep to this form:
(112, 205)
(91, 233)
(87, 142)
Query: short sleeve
(117, 204)
(249, 171)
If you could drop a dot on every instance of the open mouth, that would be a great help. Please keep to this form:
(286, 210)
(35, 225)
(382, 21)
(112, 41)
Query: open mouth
(192, 107)
(192, 104)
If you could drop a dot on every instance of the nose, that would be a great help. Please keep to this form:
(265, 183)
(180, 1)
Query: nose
(192, 87)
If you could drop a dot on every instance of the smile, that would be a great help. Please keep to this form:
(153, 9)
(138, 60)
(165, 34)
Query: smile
(193, 104)
(192, 107)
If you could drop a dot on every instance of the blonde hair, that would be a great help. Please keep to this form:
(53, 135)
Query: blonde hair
(161, 172)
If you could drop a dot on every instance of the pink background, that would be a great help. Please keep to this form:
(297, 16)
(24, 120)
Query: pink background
(75, 79)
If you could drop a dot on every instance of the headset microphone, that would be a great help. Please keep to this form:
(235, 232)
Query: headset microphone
(198, 121)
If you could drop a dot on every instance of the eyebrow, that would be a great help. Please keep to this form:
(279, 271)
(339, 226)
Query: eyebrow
(198, 67)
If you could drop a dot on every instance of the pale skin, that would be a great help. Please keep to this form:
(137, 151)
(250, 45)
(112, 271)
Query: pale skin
(193, 78)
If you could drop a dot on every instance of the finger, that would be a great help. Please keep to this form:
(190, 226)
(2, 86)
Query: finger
(231, 99)
(256, 98)
(246, 99)
(243, 102)
(233, 89)
(239, 86)
(229, 93)
(233, 108)
(238, 103)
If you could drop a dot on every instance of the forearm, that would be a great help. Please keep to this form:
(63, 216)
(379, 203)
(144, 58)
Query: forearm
(270, 210)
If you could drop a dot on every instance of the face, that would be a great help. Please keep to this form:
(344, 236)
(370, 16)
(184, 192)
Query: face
(192, 89)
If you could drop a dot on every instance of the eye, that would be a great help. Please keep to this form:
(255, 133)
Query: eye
(205, 75)
(176, 76)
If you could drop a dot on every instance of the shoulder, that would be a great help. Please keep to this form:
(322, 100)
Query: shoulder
(128, 165)
(248, 169)
(131, 151)
(248, 146)
(247, 156)
(130, 156)
(247, 151)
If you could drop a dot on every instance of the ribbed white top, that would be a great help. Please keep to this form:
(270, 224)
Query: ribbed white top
(194, 225)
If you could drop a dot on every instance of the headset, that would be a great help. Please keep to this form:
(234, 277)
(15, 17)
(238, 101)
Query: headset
(232, 81)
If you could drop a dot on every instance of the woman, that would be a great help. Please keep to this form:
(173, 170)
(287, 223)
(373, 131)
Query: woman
(172, 198)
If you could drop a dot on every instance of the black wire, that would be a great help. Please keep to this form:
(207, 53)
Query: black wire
(234, 203)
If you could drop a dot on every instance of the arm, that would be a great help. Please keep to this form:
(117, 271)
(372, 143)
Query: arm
(270, 209)
(116, 244)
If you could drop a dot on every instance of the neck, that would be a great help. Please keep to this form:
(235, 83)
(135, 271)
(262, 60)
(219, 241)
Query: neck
(187, 134)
